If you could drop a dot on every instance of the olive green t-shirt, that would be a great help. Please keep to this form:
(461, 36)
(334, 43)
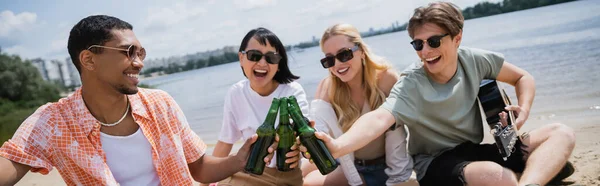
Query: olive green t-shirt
(442, 116)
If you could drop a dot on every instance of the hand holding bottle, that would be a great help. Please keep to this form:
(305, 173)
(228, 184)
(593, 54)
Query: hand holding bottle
(321, 155)
(329, 142)
(244, 151)
(292, 157)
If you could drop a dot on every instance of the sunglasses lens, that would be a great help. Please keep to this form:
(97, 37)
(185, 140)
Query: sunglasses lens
(272, 58)
(345, 55)
(253, 55)
(142, 54)
(131, 52)
(328, 61)
(434, 42)
(417, 44)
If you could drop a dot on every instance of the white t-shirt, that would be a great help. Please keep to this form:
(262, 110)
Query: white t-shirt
(245, 110)
(129, 158)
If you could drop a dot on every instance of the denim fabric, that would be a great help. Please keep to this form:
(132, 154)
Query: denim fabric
(374, 175)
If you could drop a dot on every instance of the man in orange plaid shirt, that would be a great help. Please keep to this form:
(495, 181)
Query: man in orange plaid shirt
(110, 131)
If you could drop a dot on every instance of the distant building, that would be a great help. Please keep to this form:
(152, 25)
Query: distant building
(74, 78)
(62, 72)
(59, 71)
(40, 64)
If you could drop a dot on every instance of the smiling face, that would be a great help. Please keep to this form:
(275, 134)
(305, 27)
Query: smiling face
(260, 74)
(441, 60)
(348, 70)
(113, 68)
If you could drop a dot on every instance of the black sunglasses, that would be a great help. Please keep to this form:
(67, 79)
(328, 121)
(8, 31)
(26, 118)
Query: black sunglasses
(270, 57)
(131, 52)
(433, 42)
(343, 55)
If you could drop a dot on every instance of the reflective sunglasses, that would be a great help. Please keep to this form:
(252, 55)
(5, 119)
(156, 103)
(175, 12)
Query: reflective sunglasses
(131, 52)
(255, 55)
(433, 42)
(343, 55)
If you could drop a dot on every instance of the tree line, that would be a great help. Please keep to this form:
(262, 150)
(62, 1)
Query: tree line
(487, 9)
(191, 64)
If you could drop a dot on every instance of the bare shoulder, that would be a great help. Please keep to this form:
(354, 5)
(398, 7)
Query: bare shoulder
(386, 80)
(323, 89)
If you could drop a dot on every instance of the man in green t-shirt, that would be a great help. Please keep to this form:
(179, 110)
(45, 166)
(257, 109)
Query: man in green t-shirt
(436, 100)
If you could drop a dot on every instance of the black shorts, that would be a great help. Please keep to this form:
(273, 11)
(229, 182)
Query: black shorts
(447, 168)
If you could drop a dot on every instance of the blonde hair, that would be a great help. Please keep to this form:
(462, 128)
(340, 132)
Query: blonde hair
(339, 92)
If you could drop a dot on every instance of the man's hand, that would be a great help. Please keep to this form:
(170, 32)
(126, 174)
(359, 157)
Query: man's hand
(210, 169)
(242, 154)
(520, 115)
(329, 142)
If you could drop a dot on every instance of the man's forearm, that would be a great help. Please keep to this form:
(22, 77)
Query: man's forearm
(213, 169)
(363, 131)
(525, 90)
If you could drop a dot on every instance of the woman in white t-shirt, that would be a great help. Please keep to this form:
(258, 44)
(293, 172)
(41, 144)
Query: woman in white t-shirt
(264, 62)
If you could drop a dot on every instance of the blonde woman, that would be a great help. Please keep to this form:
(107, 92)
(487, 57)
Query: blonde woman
(358, 82)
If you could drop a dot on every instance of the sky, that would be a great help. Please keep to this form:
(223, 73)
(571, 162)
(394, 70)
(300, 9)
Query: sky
(40, 28)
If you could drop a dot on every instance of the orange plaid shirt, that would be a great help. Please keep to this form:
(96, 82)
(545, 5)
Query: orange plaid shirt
(66, 136)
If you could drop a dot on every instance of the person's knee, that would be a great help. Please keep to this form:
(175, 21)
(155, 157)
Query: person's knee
(313, 178)
(488, 173)
(306, 167)
(564, 132)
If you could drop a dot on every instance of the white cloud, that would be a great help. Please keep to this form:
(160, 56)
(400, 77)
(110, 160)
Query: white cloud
(227, 24)
(10, 22)
(253, 4)
(58, 45)
(161, 18)
(331, 8)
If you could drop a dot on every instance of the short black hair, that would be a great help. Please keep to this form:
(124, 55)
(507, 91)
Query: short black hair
(263, 35)
(92, 30)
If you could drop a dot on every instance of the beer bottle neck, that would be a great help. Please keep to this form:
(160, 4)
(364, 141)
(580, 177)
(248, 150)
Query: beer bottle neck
(284, 117)
(272, 115)
(299, 121)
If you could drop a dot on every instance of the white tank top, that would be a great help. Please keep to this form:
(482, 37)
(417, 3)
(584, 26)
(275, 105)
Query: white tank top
(130, 159)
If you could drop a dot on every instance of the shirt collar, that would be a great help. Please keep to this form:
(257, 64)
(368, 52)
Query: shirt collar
(87, 120)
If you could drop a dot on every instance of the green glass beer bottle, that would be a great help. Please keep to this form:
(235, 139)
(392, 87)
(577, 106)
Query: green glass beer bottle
(286, 136)
(317, 149)
(266, 136)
